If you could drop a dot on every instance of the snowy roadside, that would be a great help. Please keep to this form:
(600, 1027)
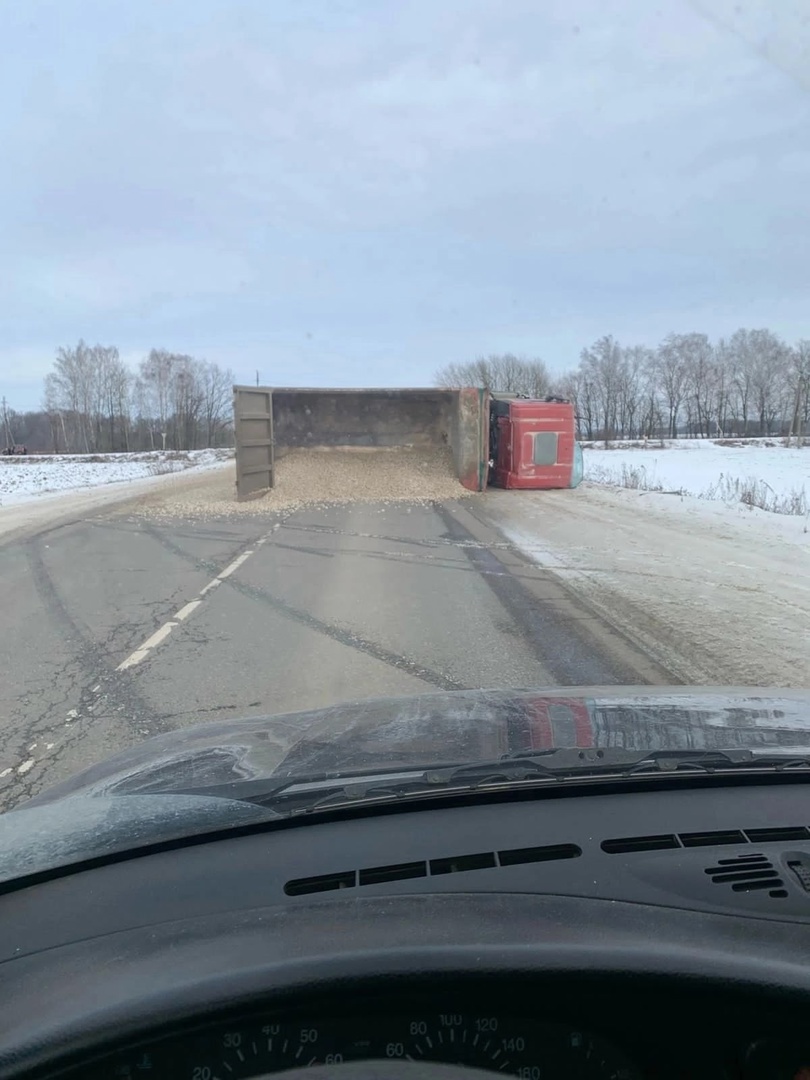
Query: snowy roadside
(36, 477)
(762, 472)
(717, 593)
(32, 511)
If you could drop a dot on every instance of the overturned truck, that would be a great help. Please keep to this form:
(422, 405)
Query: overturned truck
(493, 439)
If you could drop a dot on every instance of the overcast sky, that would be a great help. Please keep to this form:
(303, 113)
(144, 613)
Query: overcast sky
(354, 192)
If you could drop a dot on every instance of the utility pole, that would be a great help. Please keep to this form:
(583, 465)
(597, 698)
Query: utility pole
(794, 423)
(64, 431)
(257, 378)
(6, 428)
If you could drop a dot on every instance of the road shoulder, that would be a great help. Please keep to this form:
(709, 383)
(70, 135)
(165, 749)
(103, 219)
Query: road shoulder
(716, 594)
(35, 515)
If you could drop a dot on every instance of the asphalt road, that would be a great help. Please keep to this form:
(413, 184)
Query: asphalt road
(113, 630)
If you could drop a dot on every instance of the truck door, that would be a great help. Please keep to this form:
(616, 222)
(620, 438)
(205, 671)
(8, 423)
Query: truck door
(505, 435)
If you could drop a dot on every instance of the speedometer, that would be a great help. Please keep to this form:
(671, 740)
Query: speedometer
(526, 1047)
(517, 1047)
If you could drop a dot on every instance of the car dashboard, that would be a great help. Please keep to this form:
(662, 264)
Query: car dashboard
(513, 1026)
(656, 932)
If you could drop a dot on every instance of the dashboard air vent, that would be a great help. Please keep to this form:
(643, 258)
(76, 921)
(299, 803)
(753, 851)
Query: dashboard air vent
(453, 864)
(376, 875)
(639, 843)
(766, 836)
(712, 839)
(748, 873)
(516, 856)
(323, 883)
(457, 864)
(716, 838)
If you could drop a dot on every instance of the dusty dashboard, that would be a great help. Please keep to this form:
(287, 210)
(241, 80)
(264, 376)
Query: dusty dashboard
(661, 935)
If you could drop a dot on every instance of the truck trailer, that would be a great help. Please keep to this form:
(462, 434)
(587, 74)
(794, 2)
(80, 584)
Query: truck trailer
(504, 440)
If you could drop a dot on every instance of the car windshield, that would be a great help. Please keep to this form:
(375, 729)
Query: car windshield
(408, 393)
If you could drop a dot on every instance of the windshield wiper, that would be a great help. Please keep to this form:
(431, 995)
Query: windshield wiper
(597, 759)
(296, 795)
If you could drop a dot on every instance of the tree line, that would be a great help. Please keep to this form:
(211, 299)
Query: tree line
(94, 403)
(751, 383)
(506, 373)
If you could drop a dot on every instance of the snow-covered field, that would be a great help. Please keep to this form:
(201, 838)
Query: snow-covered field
(758, 472)
(30, 477)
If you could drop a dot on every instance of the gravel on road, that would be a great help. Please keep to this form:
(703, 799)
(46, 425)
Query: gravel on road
(316, 477)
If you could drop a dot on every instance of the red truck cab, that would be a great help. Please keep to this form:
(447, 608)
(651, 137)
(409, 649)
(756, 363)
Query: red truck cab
(533, 443)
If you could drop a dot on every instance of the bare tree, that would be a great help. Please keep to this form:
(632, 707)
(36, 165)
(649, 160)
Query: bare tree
(742, 354)
(91, 398)
(69, 389)
(504, 373)
(633, 378)
(187, 402)
(798, 378)
(672, 378)
(700, 381)
(770, 363)
(117, 385)
(623, 391)
(217, 393)
(572, 386)
(651, 420)
(154, 391)
(724, 371)
(602, 368)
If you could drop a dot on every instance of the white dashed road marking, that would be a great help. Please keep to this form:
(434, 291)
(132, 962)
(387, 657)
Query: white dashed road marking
(163, 632)
(148, 646)
(237, 562)
(184, 612)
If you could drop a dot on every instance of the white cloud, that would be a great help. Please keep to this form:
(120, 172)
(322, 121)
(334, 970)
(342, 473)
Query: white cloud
(233, 176)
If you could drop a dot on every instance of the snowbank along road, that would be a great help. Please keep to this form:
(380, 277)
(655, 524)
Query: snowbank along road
(136, 615)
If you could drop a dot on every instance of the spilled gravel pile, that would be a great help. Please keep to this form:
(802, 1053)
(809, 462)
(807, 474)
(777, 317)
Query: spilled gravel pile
(315, 477)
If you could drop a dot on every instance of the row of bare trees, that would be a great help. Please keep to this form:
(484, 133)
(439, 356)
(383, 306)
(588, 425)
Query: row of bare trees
(751, 383)
(506, 373)
(94, 403)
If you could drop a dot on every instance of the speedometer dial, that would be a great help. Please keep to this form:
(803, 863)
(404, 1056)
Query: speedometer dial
(526, 1047)
(271, 1047)
(517, 1047)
